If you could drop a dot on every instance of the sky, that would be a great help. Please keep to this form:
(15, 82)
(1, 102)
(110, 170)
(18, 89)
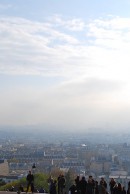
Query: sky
(64, 65)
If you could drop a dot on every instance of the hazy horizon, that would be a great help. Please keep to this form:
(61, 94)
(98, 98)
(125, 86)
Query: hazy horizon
(65, 64)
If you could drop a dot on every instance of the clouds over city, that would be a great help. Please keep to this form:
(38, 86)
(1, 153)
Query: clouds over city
(53, 48)
(91, 58)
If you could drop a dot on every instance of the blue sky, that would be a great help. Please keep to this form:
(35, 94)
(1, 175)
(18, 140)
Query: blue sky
(65, 64)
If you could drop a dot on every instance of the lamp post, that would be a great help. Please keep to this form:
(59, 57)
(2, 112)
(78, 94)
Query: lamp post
(33, 168)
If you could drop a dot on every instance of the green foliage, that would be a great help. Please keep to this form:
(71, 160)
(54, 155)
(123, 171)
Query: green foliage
(40, 180)
(2, 182)
(8, 186)
(69, 180)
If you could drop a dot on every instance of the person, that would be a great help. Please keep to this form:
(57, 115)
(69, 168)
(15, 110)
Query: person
(77, 183)
(83, 185)
(90, 185)
(12, 188)
(103, 182)
(72, 189)
(123, 190)
(53, 185)
(102, 186)
(112, 183)
(30, 181)
(50, 181)
(61, 184)
(115, 188)
(119, 189)
(20, 189)
(102, 189)
(41, 190)
(96, 187)
(58, 185)
(128, 190)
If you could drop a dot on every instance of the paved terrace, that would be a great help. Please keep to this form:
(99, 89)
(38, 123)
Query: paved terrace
(12, 192)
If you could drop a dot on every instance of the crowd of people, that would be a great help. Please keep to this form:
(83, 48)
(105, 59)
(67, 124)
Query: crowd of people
(57, 186)
(80, 185)
(87, 186)
(90, 186)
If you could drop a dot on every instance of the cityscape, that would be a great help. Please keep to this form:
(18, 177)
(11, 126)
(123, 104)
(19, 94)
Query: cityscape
(98, 155)
(65, 96)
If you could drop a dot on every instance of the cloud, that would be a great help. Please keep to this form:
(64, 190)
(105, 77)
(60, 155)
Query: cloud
(93, 63)
(5, 6)
(75, 24)
(111, 33)
(80, 101)
(41, 48)
(32, 47)
(38, 48)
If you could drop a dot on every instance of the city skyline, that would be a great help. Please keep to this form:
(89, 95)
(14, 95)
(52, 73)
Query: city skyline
(65, 64)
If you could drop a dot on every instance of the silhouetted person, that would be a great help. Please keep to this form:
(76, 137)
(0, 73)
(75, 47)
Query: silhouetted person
(83, 185)
(77, 183)
(123, 190)
(53, 187)
(118, 189)
(20, 189)
(30, 181)
(112, 183)
(96, 187)
(72, 189)
(103, 182)
(102, 189)
(58, 185)
(12, 189)
(61, 184)
(128, 190)
(41, 190)
(90, 185)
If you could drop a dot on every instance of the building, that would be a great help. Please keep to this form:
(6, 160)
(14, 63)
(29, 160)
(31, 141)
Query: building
(8, 179)
(4, 167)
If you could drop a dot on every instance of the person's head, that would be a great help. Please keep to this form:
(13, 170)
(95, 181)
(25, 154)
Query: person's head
(96, 182)
(102, 179)
(29, 171)
(119, 185)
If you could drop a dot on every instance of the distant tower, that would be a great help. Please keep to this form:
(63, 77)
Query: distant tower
(115, 159)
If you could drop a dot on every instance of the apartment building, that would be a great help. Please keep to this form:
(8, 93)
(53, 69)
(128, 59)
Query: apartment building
(4, 167)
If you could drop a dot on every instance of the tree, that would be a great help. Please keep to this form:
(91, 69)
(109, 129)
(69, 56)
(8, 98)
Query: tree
(69, 177)
(40, 180)
(55, 172)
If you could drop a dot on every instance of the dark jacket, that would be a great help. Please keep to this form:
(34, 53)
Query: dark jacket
(30, 178)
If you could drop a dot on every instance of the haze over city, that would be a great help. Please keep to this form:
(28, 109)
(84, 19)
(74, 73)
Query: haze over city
(64, 65)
